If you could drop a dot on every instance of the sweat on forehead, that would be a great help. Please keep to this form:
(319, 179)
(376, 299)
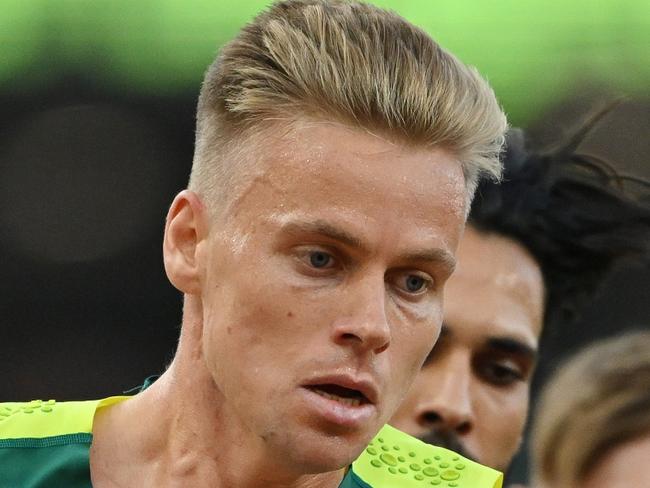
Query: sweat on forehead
(358, 164)
(308, 144)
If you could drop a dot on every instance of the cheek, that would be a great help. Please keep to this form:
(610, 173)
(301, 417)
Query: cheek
(410, 350)
(274, 323)
(415, 329)
(517, 405)
(238, 325)
(249, 351)
(421, 335)
(503, 417)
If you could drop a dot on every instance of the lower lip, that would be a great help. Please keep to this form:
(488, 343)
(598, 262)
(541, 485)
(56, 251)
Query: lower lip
(349, 416)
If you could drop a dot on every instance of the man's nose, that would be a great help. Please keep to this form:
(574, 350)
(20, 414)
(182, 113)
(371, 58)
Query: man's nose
(363, 323)
(446, 402)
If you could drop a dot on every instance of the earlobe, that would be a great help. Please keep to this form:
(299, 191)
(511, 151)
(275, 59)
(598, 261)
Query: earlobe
(186, 226)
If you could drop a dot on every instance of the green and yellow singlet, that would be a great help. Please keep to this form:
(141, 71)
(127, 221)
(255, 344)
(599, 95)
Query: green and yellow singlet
(46, 444)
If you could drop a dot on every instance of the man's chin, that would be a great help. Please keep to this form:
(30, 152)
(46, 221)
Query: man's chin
(321, 449)
(325, 457)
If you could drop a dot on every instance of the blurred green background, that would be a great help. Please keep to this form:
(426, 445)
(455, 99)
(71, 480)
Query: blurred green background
(533, 52)
(97, 102)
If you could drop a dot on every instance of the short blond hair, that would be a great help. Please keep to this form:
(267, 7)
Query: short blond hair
(348, 62)
(599, 400)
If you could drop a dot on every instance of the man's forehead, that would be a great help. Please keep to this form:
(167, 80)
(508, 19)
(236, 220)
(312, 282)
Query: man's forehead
(499, 273)
(476, 317)
(321, 154)
(309, 140)
(509, 264)
(505, 288)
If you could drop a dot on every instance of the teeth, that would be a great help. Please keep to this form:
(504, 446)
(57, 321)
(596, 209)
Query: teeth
(353, 402)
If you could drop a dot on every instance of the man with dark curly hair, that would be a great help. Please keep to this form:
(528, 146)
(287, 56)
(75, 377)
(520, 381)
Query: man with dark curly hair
(535, 250)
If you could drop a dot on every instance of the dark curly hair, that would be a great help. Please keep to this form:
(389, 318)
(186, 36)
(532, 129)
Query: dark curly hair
(571, 212)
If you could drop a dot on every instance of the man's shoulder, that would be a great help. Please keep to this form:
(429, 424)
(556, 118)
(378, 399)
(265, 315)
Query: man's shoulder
(43, 419)
(46, 443)
(394, 459)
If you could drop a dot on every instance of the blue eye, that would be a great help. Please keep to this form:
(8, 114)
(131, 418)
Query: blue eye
(319, 259)
(415, 283)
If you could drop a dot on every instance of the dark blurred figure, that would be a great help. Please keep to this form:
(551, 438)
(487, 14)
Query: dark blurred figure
(85, 180)
(537, 249)
(592, 428)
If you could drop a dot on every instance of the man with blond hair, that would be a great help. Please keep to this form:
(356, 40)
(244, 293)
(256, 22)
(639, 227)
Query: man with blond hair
(337, 151)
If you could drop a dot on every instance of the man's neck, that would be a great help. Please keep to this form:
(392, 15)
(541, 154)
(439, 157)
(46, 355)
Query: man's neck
(172, 435)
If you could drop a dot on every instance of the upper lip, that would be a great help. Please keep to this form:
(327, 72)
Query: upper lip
(363, 384)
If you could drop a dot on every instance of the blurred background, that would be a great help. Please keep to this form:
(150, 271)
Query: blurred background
(97, 106)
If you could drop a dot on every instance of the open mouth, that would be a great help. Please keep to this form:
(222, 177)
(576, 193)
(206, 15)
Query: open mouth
(341, 394)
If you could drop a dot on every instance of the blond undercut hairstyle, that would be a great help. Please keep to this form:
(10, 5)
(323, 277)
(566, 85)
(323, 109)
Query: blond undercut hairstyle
(347, 62)
(598, 401)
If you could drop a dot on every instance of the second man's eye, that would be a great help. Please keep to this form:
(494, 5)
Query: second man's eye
(500, 372)
(320, 259)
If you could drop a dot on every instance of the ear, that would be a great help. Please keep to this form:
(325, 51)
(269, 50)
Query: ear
(186, 227)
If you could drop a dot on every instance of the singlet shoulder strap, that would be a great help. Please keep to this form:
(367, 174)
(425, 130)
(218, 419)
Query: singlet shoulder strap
(396, 460)
(40, 419)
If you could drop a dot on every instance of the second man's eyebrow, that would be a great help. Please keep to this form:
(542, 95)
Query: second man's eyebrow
(506, 345)
(511, 346)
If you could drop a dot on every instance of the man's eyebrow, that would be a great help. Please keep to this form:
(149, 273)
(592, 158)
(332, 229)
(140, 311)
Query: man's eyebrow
(325, 229)
(509, 345)
(441, 257)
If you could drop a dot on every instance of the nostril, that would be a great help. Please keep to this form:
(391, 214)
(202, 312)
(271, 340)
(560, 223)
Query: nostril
(349, 336)
(463, 428)
(433, 419)
(382, 348)
(430, 418)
